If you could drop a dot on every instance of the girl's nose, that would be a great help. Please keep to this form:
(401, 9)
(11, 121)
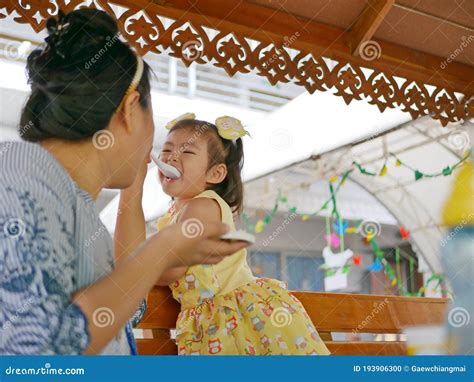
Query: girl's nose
(172, 157)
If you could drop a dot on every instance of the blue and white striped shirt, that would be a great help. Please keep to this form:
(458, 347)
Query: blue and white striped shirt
(52, 243)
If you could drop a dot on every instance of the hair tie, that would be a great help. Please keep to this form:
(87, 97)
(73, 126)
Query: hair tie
(56, 28)
(228, 128)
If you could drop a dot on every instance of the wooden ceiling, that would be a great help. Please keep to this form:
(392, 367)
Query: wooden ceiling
(410, 42)
(407, 44)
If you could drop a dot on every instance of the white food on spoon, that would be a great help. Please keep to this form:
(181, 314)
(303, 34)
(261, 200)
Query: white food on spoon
(167, 170)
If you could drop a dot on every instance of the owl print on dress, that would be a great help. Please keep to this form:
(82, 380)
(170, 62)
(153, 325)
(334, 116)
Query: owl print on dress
(281, 343)
(250, 307)
(205, 294)
(266, 308)
(265, 341)
(214, 346)
(230, 325)
(249, 349)
(258, 324)
(212, 329)
(288, 307)
(313, 332)
(190, 282)
(240, 295)
(300, 342)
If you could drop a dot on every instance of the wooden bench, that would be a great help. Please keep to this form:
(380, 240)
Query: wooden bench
(330, 312)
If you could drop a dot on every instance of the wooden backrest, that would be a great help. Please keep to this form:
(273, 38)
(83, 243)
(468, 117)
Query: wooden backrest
(330, 312)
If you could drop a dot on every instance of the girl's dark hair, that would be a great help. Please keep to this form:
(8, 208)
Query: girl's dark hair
(78, 79)
(220, 150)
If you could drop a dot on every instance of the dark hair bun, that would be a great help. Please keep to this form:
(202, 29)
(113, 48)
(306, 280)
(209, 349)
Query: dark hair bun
(79, 77)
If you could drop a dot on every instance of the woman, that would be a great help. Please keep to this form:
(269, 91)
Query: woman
(64, 288)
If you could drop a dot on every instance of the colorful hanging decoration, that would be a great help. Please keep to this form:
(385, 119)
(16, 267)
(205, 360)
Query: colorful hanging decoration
(340, 226)
(333, 240)
(404, 233)
(259, 226)
(376, 266)
(338, 264)
(417, 173)
(357, 260)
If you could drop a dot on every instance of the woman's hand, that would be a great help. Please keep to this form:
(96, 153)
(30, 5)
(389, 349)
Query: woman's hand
(187, 246)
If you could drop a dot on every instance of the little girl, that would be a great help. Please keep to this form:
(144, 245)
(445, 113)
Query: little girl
(224, 308)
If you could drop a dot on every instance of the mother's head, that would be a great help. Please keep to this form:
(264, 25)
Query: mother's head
(80, 91)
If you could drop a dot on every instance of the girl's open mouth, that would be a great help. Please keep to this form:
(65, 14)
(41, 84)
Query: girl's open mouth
(168, 179)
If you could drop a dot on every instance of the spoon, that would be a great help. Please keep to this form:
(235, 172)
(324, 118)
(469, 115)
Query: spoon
(167, 170)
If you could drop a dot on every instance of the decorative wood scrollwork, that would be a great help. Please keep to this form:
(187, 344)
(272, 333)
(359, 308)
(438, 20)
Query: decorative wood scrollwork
(148, 31)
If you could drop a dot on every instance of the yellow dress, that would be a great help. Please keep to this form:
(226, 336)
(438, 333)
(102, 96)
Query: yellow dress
(225, 310)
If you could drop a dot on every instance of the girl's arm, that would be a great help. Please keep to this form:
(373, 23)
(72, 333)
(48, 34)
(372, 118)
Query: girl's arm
(194, 213)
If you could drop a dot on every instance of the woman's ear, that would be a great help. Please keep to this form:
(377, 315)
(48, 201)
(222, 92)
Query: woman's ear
(131, 102)
(216, 174)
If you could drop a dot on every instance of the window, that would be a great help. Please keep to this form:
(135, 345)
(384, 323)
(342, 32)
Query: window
(265, 264)
(303, 273)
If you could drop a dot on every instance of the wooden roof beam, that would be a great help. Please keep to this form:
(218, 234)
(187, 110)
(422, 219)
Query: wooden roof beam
(367, 23)
(265, 23)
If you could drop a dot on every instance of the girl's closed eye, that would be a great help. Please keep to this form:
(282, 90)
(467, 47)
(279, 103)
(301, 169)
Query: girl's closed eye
(164, 152)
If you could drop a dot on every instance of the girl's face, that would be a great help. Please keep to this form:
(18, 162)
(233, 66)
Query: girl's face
(188, 153)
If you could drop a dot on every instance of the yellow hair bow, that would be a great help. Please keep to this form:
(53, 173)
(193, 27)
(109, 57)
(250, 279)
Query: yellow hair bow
(228, 127)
